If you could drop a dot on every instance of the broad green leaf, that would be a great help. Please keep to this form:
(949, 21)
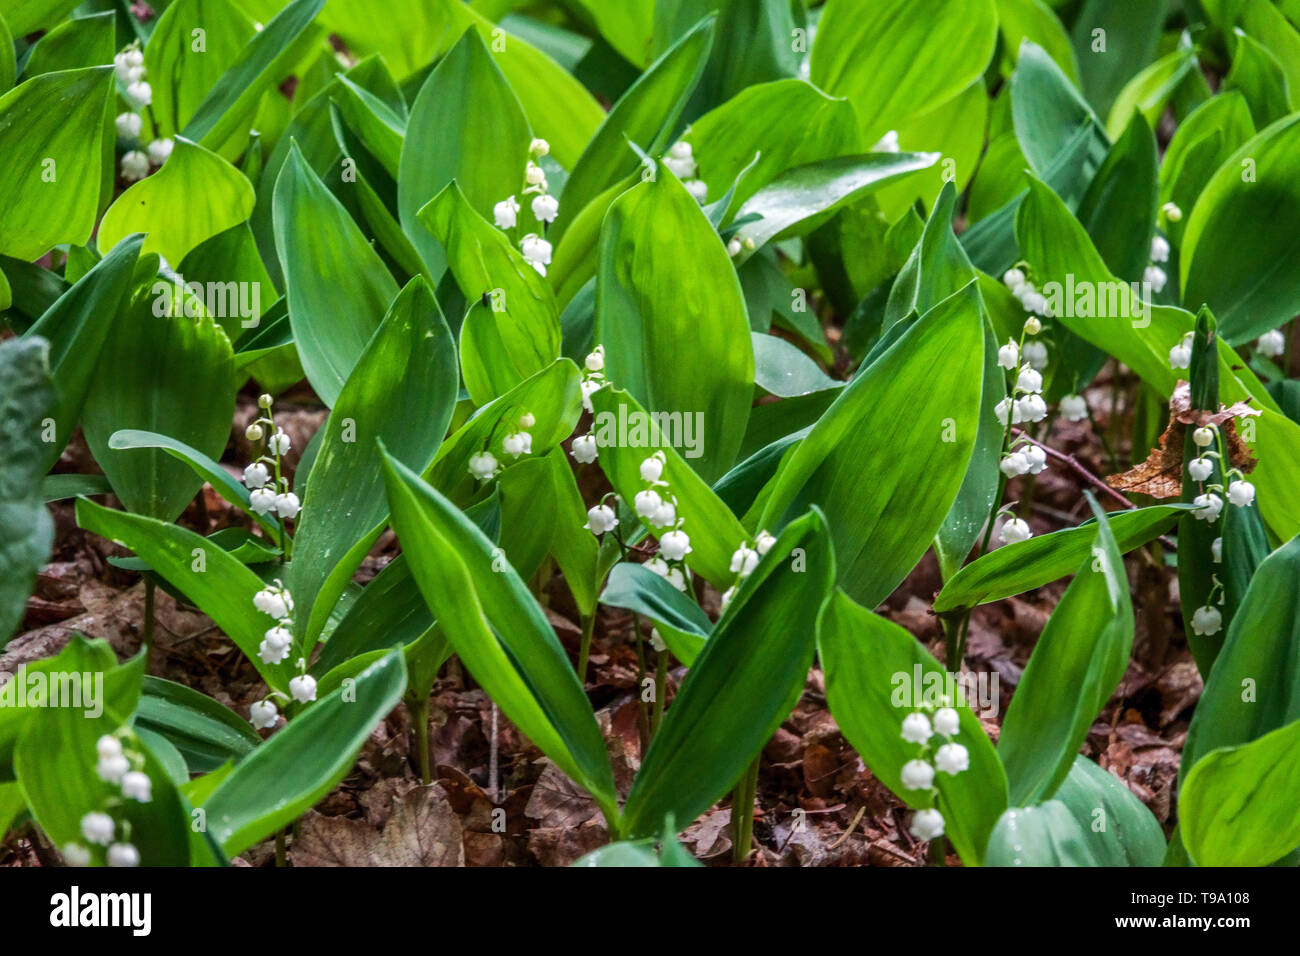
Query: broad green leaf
(1119, 829)
(231, 103)
(1253, 688)
(289, 773)
(170, 374)
(636, 588)
(1048, 113)
(512, 329)
(338, 287)
(1150, 91)
(1237, 243)
(230, 272)
(217, 582)
(671, 316)
(886, 460)
(1033, 20)
(344, 500)
(782, 369)
(741, 687)
(800, 199)
(1119, 208)
(1110, 32)
(380, 128)
(222, 481)
(551, 396)
(8, 73)
(26, 397)
(1076, 665)
(29, 16)
(785, 123)
(51, 130)
(181, 76)
(1020, 567)
(876, 674)
(901, 57)
(499, 631)
(55, 759)
(464, 105)
(626, 435)
(206, 732)
(645, 116)
(628, 27)
(1043, 835)
(79, 42)
(1261, 79)
(1237, 806)
(1201, 143)
(193, 197)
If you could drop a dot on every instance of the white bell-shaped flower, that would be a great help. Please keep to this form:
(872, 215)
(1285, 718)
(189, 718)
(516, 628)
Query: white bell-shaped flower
(535, 249)
(135, 166)
(287, 505)
(545, 207)
(505, 214)
(1180, 356)
(600, 519)
(1013, 279)
(1172, 212)
(1074, 408)
(128, 125)
(98, 828)
(675, 545)
(1208, 507)
(1155, 277)
(122, 855)
(727, 597)
(698, 189)
(1033, 325)
(1271, 344)
(926, 825)
(652, 468)
(279, 444)
(1203, 437)
(947, 721)
(263, 714)
(584, 450)
(763, 543)
(1014, 531)
(1241, 493)
(139, 93)
(483, 465)
(539, 147)
(113, 769)
(108, 746)
(1206, 621)
(666, 516)
(1200, 469)
(1035, 353)
(589, 387)
(595, 360)
(916, 728)
(887, 143)
(1159, 249)
(1037, 459)
(137, 786)
(1014, 464)
(952, 759)
(1029, 379)
(256, 475)
(1007, 408)
(1216, 550)
(74, 854)
(1032, 408)
(917, 775)
(303, 688)
(1009, 355)
(160, 150)
(273, 602)
(647, 502)
(518, 443)
(744, 560)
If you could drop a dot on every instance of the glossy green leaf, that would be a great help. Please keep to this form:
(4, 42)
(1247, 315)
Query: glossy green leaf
(636, 588)
(1237, 806)
(1201, 143)
(901, 57)
(26, 397)
(1020, 567)
(741, 687)
(170, 374)
(1237, 242)
(512, 329)
(671, 316)
(1043, 835)
(79, 42)
(646, 115)
(1119, 829)
(214, 195)
(626, 434)
(181, 76)
(499, 631)
(230, 104)
(344, 500)
(465, 104)
(28, 16)
(801, 198)
(1033, 20)
(303, 762)
(1259, 76)
(1131, 36)
(886, 460)
(1076, 665)
(51, 130)
(211, 577)
(317, 240)
(876, 674)
(1119, 208)
(206, 732)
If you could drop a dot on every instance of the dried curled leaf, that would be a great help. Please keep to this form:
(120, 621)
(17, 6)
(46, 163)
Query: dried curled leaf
(1161, 475)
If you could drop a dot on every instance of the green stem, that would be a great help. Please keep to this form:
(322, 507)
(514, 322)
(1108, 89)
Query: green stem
(584, 651)
(661, 684)
(418, 709)
(280, 858)
(643, 715)
(149, 588)
(742, 813)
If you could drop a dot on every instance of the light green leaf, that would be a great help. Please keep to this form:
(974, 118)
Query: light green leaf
(204, 731)
(181, 76)
(79, 42)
